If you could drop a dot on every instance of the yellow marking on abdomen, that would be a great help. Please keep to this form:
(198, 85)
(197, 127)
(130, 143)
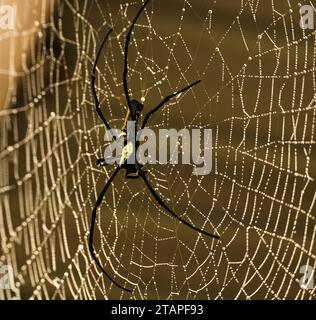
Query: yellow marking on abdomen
(126, 119)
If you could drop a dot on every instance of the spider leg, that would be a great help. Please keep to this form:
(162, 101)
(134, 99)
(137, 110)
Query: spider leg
(165, 100)
(101, 162)
(127, 41)
(93, 78)
(93, 220)
(160, 202)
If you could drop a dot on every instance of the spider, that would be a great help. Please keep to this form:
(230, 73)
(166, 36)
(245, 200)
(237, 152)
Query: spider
(132, 171)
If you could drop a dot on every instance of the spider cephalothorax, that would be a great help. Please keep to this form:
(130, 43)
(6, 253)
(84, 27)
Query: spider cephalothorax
(137, 109)
(132, 170)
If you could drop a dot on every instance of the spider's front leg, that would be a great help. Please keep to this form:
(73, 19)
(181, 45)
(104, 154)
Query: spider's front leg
(93, 87)
(165, 100)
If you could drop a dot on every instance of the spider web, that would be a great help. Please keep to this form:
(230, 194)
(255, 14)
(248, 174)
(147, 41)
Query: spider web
(257, 94)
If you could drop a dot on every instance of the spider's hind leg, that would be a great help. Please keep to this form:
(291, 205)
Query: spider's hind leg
(92, 229)
(162, 204)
